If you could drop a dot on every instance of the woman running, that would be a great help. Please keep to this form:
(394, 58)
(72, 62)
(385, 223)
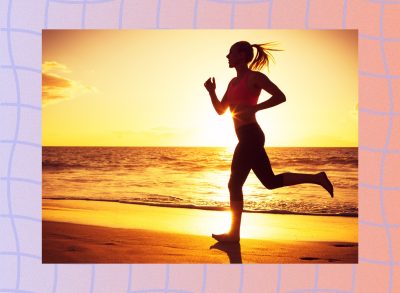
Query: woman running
(242, 99)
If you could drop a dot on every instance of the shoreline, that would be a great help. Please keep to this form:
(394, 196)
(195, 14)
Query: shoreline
(201, 222)
(207, 208)
(104, 232)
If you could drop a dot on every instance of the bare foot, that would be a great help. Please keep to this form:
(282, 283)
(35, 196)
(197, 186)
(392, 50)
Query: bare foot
(326, 183)
(226, 238)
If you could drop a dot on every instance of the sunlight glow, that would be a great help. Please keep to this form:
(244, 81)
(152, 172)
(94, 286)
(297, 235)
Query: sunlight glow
(223, 224)
(119, 88)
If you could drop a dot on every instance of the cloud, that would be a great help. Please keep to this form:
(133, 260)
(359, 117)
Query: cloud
(54, 66)
(56, 88)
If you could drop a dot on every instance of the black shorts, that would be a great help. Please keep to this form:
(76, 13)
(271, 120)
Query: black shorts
(250, 155)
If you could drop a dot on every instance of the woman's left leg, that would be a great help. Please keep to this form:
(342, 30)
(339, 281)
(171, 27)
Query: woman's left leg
(263, 170)
(240, 169)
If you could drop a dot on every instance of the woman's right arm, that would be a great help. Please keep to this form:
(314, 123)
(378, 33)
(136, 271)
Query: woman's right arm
(219, 106)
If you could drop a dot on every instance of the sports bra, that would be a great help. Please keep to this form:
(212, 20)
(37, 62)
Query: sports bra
(242, 94)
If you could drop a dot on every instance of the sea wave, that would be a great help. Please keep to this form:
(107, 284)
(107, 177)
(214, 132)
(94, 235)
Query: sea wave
(47, 164)
(312, 162)
(199, 177)
(208, 208)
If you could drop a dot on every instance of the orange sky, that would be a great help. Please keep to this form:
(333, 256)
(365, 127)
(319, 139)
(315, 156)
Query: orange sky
(145, 87)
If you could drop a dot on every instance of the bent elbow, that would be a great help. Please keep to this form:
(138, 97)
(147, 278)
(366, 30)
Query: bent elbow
(221, 111)
(283, 98)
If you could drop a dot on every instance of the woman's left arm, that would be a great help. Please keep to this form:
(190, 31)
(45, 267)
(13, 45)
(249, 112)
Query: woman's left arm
(277, 96)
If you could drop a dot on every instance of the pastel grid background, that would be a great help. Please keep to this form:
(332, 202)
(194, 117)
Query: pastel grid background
(21, 22)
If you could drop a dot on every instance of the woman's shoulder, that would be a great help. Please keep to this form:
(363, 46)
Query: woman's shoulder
(256, 74)
(256, 78)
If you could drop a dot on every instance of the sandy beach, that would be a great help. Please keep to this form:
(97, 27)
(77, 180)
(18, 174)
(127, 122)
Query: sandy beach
(108, 232)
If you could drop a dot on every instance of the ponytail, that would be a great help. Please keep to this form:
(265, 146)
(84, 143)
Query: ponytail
(263, 55)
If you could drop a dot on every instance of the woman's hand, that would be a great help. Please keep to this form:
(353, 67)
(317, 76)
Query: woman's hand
(210, 84)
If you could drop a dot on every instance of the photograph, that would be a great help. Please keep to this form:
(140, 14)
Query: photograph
(200, 146)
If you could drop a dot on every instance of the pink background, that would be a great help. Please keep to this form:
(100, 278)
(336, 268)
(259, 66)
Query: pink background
(378, 23)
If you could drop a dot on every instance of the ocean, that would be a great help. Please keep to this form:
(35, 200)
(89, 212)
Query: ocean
(197, 177)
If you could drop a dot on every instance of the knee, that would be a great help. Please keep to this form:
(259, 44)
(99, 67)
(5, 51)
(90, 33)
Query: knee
(233, 186)
(274, 182)
(270, 184)
(235, 191)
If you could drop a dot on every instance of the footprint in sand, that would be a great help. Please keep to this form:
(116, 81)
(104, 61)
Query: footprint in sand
(316, 258)
(309, 258)
(345, 245)
(73, 248)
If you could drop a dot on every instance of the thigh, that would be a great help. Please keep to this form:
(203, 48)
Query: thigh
(241, 163)
(261, 165)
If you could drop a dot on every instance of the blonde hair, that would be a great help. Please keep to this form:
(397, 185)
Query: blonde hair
(263, 55)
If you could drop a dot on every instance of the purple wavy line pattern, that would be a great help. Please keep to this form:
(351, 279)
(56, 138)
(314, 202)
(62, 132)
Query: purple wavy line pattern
(21, 23)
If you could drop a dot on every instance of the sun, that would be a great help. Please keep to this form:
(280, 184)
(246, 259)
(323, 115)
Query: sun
(227, 132)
